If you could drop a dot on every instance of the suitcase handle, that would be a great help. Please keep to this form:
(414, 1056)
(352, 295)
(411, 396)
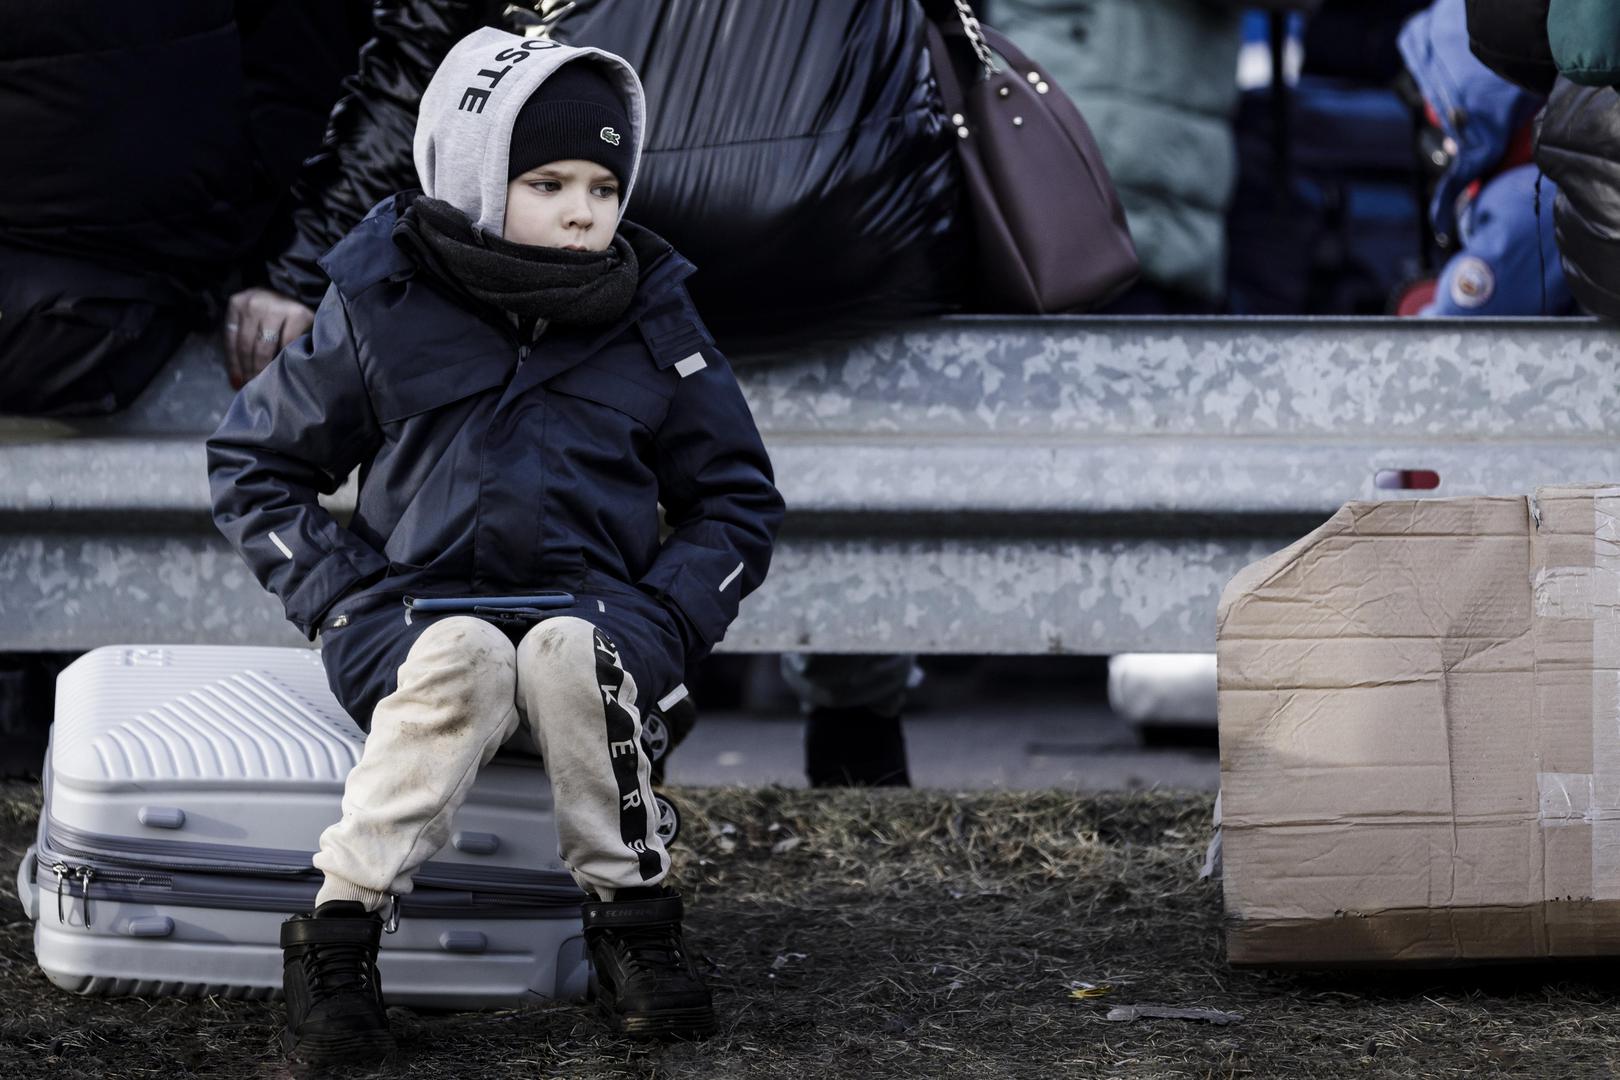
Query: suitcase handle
(476, 843)
(150, 926)
(463, 941)
(27, 887)
(161, 817)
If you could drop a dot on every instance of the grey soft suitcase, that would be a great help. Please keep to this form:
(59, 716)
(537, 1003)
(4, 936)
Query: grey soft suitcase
(186, 788)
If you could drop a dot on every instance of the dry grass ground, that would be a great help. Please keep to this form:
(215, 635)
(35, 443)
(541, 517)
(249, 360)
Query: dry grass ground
(899, 934)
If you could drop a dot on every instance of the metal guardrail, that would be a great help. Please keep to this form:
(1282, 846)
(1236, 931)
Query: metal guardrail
(973, 484)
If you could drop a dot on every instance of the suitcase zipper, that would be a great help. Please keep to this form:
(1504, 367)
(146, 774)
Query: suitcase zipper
(66, 872)
(234, 869)
(66, 851)
(70, 875)
(73, 843)
(213, 859)
(65, 840)
(145, 887)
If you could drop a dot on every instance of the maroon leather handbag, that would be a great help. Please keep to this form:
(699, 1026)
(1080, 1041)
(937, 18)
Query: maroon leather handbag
(1051, 231)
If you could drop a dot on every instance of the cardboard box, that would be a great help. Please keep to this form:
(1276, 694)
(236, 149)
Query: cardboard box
(1420, 735)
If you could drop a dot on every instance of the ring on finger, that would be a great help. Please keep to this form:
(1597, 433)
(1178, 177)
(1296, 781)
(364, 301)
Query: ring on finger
(231, 328)
(269, 335)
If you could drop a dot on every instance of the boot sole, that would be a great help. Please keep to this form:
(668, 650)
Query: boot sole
(694, 1023)
(324, 1049)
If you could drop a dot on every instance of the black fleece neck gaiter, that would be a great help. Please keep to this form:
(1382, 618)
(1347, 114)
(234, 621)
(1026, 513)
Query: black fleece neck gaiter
(568, 288)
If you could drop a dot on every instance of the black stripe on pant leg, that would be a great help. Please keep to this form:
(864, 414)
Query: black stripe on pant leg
(625, 754)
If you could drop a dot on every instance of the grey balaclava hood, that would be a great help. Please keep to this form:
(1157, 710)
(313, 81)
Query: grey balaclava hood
(464, 127)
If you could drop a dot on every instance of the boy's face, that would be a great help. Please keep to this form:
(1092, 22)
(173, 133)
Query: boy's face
(563, 204)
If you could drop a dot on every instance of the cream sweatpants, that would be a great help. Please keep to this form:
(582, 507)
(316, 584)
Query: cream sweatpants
(463, 691)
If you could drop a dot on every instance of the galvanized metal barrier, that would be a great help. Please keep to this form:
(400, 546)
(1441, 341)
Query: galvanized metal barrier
(973, 484)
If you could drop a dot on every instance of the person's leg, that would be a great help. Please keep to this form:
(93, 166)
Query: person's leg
(454, 705)
(852, 706)
(579, 703)
(452, 708)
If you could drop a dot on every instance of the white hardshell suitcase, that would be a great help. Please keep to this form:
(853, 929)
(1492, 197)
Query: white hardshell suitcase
(186, 788)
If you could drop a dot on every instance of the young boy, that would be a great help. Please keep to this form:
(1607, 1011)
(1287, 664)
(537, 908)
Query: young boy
(521, 379)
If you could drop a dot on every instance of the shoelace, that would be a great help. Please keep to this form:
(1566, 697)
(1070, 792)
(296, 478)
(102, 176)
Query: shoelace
(651, 949)
(339, 968)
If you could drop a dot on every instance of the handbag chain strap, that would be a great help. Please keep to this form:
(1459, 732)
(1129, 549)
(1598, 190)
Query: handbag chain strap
(975, 36)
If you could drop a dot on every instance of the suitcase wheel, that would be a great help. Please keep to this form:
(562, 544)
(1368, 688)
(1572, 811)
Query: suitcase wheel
(655, 736)
(669, 820)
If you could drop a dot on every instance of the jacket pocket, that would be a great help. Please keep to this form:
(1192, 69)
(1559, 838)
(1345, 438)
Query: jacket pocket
(422, 393)
(642, 404)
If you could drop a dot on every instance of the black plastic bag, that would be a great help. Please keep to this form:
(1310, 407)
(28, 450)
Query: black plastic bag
(797, 153)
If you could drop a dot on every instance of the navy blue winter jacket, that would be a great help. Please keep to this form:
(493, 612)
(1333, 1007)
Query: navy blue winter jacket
(491, 467)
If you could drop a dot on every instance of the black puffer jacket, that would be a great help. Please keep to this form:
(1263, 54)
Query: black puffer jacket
(1578, 147)
(172, 129)
(797, 152)
(366, 155)
(1510, 38)
(126, 134)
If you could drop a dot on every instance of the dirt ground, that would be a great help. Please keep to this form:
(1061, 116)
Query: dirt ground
(900, 934)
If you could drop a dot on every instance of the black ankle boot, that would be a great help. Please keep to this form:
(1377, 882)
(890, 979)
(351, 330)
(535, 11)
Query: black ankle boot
(334, 997)
(645, 983)
(854, 748)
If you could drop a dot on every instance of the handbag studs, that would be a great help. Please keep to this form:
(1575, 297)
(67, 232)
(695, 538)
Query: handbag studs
(1025, 264)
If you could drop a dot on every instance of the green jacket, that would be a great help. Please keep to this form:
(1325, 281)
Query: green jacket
(1157, 82)
(1585, 37)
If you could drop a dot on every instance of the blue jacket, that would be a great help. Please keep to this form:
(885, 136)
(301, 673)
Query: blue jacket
(1478, 109)
(1499, 271)
(490, 467)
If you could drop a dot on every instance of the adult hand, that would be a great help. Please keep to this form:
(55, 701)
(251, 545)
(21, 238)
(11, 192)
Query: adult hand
(259, 322)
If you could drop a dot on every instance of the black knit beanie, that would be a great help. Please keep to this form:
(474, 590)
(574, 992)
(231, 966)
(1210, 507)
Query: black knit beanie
(576, 114)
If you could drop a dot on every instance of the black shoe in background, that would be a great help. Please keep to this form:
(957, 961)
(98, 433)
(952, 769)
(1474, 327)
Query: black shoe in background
(854, 748)
(644, 981)
(27, 707)
(334, 996)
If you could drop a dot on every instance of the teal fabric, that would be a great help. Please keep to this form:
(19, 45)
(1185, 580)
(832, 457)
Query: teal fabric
(1157, 82)
(1585, 38)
